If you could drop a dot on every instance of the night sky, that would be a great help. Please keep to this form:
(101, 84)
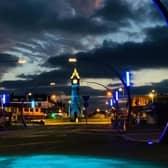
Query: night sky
(101, 34)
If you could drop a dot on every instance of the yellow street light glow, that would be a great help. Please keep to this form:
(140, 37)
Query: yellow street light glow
(153, 91)
(53, 97)
(52, 84)
(73, 60)
(151, 95)
(109, 93)
(21, 61)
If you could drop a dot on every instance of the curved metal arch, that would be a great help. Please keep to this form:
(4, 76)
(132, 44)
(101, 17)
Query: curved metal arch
(162, 8)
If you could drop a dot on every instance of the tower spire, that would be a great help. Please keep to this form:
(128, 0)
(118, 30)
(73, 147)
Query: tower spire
(75, 74)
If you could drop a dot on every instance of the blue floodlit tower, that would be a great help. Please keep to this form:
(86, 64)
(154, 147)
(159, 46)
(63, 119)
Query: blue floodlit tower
(75, 106)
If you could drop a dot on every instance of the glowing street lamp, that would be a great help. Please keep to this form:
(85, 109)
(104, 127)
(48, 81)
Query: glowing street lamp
(109, 94)
(121, 90)
(21, 61)
(72, 60)
(30, 94)
(52, 84)
(152, 95)
(53, 97)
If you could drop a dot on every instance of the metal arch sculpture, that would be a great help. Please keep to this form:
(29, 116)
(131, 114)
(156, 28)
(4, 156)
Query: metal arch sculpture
(162, 8)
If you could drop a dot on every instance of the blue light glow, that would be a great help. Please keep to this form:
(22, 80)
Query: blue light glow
(4, 99)
(128, 78)
(71, 161)
(111, 102)
(163, 133)
(150, 142)
(116, 95)
(32, 104)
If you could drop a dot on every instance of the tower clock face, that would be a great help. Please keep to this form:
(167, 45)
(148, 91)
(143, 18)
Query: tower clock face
(75, 81)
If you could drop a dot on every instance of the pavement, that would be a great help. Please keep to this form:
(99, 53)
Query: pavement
(97, 140)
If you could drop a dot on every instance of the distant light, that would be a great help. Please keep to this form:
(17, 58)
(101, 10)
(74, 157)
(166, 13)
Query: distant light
(4, 99)
(53, 97)
(29, 94)
(52, 83)
(153, 91)
(151, 95)
(111, 102)
(73, 60)
(32, 104)
(116, 95)
(109, 93)
(21, 61)
(53, 115)
(150, 142)
(106, 102)
(128, 78)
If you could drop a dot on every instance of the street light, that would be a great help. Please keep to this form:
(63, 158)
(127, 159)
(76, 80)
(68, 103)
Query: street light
(21, 61)
(121, 90)
(72, 60)
(152, 95)
(53, 97)
(109, 94)
(52, 84)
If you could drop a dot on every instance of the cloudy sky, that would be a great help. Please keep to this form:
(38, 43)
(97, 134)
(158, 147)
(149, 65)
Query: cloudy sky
(102, 34)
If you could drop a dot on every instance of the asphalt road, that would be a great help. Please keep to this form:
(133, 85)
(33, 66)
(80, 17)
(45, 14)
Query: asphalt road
(96, 140)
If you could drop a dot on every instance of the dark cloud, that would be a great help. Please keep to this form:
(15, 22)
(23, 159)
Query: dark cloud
(7, 63)
(41, 15)
(21, 13)
(115, 10)
(87, 7)
(149, 54)
(156, 34)
(122, 13)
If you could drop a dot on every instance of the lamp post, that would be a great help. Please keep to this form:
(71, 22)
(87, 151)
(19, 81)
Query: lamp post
(152, 95)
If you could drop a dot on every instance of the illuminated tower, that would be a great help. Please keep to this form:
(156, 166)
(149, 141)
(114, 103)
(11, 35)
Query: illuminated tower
(75, 106)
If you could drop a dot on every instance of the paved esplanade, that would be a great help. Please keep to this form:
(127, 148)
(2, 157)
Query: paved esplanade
(80, 139)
